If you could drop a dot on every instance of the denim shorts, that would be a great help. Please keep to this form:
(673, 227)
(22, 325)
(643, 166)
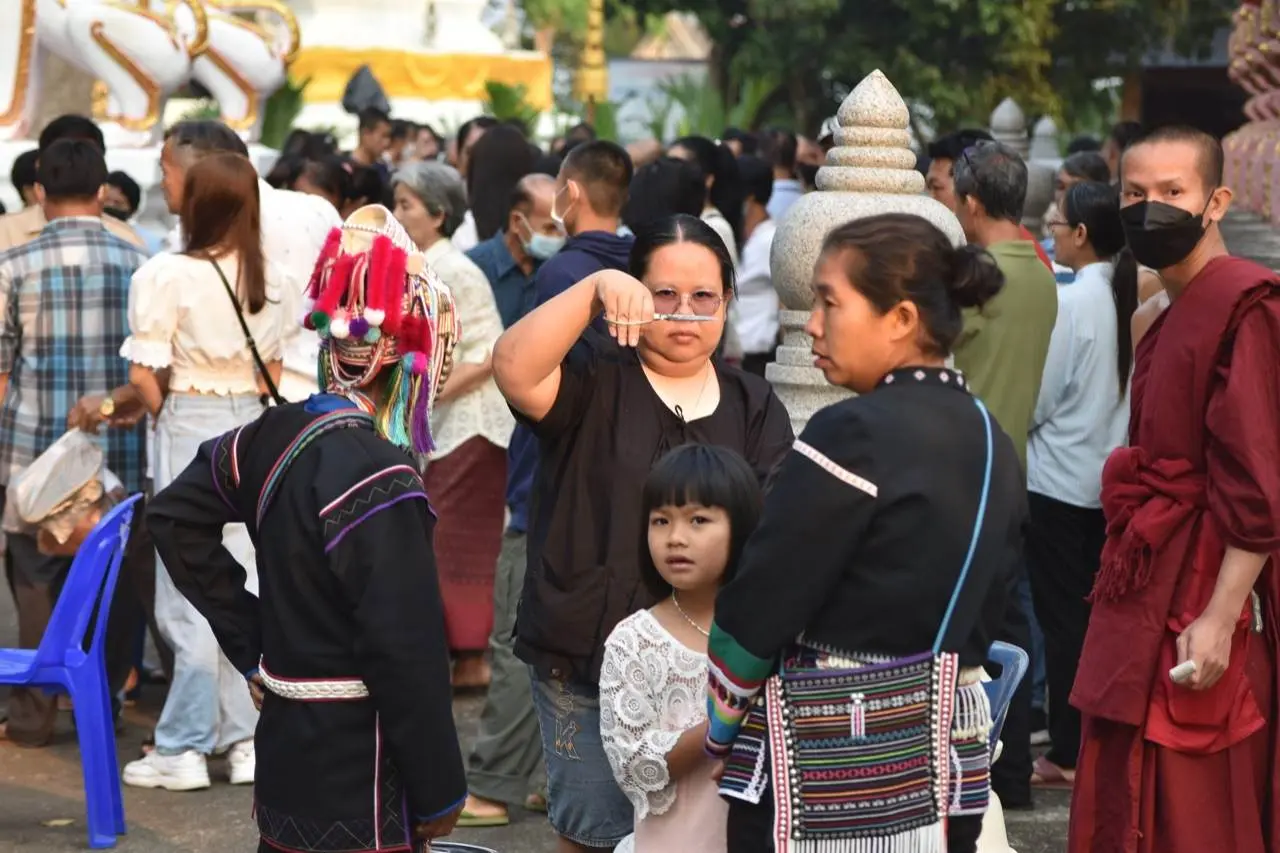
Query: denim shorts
(584, 802)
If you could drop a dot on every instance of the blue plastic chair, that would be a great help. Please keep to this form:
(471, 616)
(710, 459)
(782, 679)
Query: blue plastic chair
(61, 665)
(1013, 663)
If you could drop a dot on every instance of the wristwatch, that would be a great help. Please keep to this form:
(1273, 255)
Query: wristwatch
(107, 408)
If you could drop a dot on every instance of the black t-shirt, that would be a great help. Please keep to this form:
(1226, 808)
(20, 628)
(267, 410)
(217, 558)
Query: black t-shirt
(604, 432)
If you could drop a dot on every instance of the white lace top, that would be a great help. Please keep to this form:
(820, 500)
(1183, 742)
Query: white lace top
(180, 317)
(652, 690)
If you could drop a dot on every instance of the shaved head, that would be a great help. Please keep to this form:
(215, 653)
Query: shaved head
(1205, 149)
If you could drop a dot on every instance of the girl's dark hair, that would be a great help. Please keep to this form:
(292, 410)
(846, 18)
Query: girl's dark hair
(220, 215)
(366, 184)
(665, 187)
(717, 161)
(710, 476)
(547, 164)
(284, 173)
(332, 175)
(681, 228)
(1087, 166)
(498, 161)
(1096, 206)
(308, 145)
(899, 257)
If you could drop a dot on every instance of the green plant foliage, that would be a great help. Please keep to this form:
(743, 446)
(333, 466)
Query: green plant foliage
(281, 111)
(505, 102)
(959, 57)
(201, 110)
(703, 110)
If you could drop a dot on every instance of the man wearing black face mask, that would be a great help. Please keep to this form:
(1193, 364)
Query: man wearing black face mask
(123, 197)
(1178, 673)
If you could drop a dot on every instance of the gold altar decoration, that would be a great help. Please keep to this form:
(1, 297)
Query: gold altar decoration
(591, 84)
(148, 86)
(26, 51)
(426, 76)
(264, 8)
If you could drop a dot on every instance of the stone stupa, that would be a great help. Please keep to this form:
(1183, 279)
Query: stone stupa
(1009, 125)
(871, 170)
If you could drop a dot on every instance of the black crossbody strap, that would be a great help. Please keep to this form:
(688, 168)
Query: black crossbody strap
(272, 391)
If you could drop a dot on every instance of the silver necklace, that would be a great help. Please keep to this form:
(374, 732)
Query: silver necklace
(703, 631)
(706, 380)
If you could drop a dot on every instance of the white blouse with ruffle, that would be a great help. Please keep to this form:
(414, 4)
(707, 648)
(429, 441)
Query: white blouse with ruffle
(181, 318)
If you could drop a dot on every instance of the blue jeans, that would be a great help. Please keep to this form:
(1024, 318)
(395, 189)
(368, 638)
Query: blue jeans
(584, 802)
(208, 708)
(1037, 645)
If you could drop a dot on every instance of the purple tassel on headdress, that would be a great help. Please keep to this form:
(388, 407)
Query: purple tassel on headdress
(421, 421)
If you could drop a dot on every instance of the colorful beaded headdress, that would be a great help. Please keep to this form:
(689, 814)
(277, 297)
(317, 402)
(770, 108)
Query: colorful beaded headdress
(376, 303)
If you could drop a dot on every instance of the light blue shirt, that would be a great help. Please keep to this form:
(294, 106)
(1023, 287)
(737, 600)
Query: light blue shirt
(1081, 414)
(786, 192)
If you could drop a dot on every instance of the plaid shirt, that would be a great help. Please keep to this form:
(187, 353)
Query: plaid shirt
(64, 300)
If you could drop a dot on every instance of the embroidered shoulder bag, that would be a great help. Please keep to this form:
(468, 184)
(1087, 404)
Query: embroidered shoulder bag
(861, 757)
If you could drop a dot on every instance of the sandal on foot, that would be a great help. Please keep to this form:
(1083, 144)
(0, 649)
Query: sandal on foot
(536, 803)
(469, 819)
(1047, 775)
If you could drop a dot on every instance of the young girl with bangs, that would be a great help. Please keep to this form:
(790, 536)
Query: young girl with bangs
(700, 505)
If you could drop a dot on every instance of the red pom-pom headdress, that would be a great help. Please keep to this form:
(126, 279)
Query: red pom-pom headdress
(376, 303)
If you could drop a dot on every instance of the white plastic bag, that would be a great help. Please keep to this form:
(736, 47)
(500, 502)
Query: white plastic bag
(67, 477)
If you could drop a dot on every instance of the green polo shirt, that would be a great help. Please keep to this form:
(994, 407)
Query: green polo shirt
(1003, 347)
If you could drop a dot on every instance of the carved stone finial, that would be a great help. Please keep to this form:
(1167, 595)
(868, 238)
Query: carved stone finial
(871, 170)
(1009, 125)
(871, 152)
(1044, 139)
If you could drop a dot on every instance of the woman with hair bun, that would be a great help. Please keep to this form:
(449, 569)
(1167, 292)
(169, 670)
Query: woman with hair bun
(890, 535)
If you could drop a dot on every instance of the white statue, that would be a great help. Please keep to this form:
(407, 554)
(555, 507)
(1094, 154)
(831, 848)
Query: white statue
(243, 63)
(137, 53)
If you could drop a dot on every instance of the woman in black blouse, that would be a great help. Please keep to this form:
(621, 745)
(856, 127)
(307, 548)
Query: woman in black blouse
(604, 409)
(869, 522)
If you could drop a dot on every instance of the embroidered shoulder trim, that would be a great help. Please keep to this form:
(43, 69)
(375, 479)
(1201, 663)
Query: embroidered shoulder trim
(225, 467)
(368, 497)
(842, 474)
(343, 419)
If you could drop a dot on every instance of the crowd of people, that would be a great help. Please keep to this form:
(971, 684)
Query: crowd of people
(694, 629)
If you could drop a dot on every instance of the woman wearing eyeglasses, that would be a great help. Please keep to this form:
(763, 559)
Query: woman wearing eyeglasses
(604, 409)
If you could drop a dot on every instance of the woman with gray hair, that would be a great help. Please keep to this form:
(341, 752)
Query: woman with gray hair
(471, 424)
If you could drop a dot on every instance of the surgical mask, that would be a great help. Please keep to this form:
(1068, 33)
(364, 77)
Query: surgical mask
(543, 246)
(558, 218)
(1161, 235)
(116, 212)
(539, 246)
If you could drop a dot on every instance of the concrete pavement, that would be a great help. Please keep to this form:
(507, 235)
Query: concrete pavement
(42, 808)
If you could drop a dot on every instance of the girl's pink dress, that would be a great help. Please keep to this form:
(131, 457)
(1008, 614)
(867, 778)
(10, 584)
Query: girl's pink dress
(652, 690)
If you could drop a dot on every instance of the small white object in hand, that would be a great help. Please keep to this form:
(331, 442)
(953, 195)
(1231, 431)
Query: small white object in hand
(1182, 673)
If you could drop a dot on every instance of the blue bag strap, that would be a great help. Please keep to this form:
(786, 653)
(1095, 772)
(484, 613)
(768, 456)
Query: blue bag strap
(977, 530)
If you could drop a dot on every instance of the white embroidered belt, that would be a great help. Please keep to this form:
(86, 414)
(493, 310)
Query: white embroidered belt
(314, 689)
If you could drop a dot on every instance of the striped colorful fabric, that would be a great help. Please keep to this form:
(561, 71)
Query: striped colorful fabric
(973, 766)
(971, 751)
(746, 770)
(861, 759)
(735, 676)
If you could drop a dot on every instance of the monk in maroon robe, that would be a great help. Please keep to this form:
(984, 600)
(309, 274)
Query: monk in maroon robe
(1193, 529)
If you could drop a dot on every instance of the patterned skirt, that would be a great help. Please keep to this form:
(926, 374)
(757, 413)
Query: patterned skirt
(467, 489)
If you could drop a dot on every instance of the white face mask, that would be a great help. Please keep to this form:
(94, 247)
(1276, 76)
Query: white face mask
(558, 218)
(540, 246)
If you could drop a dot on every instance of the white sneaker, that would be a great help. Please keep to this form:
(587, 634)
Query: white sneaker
(242, 761)
(187, 771)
